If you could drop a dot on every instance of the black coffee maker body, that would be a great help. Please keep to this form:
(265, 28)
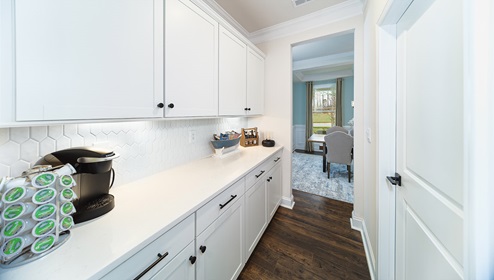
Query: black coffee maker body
(94, 177)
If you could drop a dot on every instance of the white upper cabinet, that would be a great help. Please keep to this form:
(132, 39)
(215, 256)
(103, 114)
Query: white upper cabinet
(241, 77)
(255, 83)
(88, 59)
(233, 74)
(191, 61)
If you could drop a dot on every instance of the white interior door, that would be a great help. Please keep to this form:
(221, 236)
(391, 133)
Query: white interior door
(429, 203)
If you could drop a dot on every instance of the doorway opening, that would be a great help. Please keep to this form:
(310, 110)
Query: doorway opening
(323, 94)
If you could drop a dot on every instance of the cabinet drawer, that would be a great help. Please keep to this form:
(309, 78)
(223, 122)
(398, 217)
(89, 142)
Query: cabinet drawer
(170, 243)
(256, 174)
(273, 160)
(214, 208)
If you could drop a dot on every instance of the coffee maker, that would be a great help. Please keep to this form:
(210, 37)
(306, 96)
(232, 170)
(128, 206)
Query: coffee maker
(94, 177)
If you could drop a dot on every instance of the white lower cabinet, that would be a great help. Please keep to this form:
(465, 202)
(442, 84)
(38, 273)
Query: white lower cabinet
(220, 248)
(182, 267)
(273, 186)
(255, 214)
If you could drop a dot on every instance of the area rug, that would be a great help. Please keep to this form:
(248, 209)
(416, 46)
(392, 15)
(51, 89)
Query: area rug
(307, 176)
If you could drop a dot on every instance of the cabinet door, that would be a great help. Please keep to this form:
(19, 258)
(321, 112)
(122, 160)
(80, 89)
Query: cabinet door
(255, 214)
(181, 267)
(191, 61)
(220, 248)
(274, 190)
(88, 59)
(233, 74)
(255, 83)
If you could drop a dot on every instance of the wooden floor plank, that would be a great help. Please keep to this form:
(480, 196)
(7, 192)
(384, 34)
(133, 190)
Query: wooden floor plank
(312, 241)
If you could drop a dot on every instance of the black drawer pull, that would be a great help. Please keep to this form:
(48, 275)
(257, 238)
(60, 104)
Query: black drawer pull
(160, 258)
(223, 205)
(259, 175)
(202, 249)
(276, 160)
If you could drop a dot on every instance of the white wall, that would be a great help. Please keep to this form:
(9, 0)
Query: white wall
(278, 99)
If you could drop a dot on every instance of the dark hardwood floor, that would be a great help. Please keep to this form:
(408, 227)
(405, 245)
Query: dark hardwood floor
(312, 241)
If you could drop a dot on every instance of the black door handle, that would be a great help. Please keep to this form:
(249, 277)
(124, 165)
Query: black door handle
(161, 105)
(202, 249)
(396, 180)
(192, 259)
(171, 105)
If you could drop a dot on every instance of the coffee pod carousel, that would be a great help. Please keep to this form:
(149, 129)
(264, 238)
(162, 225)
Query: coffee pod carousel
(36, 213)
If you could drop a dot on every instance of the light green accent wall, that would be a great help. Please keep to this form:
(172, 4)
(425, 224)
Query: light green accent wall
(299, 103)
(299, 99)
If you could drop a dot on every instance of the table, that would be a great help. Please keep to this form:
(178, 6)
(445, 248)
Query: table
(319, 138)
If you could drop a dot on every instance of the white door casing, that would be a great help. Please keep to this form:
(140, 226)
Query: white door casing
(429, 204)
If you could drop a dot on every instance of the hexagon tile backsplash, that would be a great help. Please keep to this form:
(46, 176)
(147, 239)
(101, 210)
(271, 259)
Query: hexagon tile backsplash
(145, 147)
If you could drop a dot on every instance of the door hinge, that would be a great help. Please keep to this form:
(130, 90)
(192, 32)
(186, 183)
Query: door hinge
(396, 180)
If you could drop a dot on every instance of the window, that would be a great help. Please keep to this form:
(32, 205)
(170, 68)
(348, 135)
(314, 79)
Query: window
(323, 108)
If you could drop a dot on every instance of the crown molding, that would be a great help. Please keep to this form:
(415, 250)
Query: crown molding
(333, 60)
(331, 14)
(227, 17)
(323, 77)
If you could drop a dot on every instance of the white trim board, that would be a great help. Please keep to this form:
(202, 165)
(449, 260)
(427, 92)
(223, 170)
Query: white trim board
(288, 202)
(359, 224)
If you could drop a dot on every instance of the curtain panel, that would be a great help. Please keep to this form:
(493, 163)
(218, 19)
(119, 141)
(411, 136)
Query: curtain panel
(339, 115)
(308, 117)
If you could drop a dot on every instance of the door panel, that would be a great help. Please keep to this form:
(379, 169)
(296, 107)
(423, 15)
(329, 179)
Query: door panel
(429, 213)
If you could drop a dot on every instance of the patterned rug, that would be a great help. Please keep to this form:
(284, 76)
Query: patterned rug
(307, 176)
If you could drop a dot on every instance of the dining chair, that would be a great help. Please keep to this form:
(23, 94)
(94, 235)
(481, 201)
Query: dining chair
(335, 128)
(339, 150)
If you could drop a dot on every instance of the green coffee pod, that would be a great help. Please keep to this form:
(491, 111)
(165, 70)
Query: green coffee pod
(13, 228)
(44, 180)
(67, 195)
(14, 211)
(67, 181)
(67, 208)
(44, 195)
(43, 244)
(66, 223)
(14, 194)
(43, 228)
(44, 211)
(13, 247)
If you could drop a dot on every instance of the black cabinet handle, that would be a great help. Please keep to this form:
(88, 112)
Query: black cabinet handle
(161, 105)
(269, 180)
(192, 259)
(259, 175)
(276, 160)
(160, 258)
(202, 249)
(246, 109)
(223, 205)
(171, 105)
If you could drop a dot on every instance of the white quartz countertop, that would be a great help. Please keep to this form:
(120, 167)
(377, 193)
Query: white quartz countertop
(144, 209)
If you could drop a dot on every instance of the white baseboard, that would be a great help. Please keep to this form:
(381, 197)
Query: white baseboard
(287, 202)
(359, 224)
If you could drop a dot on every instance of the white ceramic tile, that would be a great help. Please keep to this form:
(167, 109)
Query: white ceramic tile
(48, 145)
(4, 170)
(39, 133)
(19, 134)
(95, 128)
(70, 130)
(77, 141)
(17, 168)
(55, 131)
(30, 150)
(4, 135)
(10, 153)
(63, 143)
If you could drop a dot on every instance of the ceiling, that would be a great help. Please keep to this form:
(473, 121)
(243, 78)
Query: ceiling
(324, 58)
(255, 15)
